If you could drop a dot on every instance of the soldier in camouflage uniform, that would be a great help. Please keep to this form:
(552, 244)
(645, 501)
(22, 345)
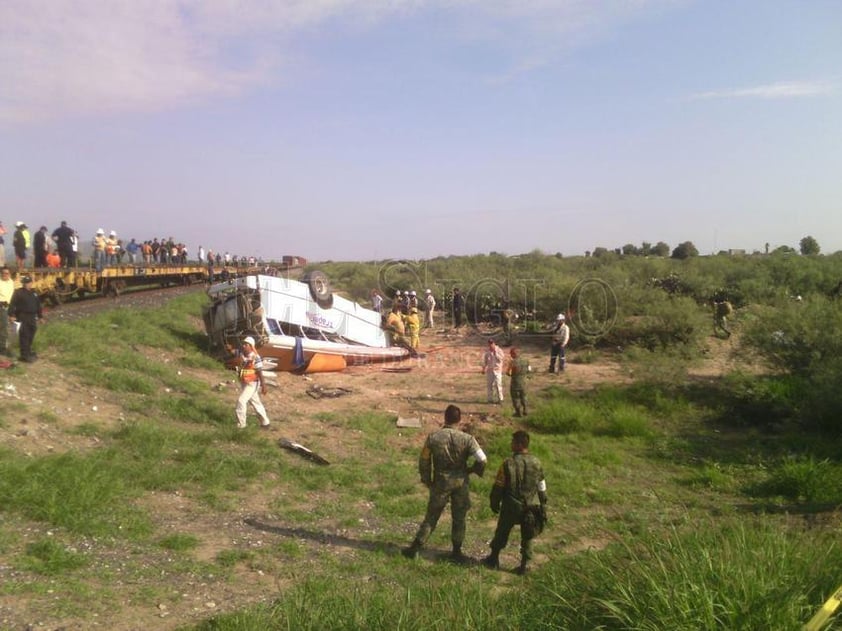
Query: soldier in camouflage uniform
(518, 370)
(519, 480)
(444, 470)
(721, 310)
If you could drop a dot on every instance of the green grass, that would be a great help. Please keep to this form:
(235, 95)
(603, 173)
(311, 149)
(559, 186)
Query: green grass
(655, 490)
(179, 542)
(717, 575)
(50, 557)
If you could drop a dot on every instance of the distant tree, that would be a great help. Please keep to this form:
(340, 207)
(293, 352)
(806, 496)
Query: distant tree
(630, 250)
(600, 251)
(661, 249)
(783, 249)
(587, 253)
(809, 246)
(685, 250)
(645, 248)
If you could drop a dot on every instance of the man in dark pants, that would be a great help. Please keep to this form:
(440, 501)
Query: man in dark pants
(519, 480)
(63, 236)
(444, 470)
(39, 247)
(518, 370)
(26, 309)
(458, 306)
(561, 336)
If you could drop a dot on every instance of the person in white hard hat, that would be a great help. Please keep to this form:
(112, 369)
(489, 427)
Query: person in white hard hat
(252, 385)
(561, 336)
(98, 244)
(112, 246)
(430, 301)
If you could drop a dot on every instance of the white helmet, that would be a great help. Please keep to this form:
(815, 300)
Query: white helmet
(428, 291)
(560, 317)
(412, 293)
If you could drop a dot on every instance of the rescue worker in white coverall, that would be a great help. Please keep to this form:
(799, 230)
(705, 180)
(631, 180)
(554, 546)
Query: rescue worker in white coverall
(251, 384)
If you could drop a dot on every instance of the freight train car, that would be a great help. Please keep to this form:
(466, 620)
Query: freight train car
(59, 284)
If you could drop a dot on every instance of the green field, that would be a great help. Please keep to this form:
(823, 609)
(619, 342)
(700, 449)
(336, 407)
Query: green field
(677, 501)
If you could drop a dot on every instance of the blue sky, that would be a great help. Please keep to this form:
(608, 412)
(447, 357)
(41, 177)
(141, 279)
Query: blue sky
(355, 129)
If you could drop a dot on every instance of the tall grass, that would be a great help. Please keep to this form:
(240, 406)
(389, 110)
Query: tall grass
(713, 576)
(446, 601)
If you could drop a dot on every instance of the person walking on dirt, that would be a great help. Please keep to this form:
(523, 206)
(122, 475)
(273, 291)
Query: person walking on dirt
(458, 306)
(492, 366)
(561, 336)
(430, 302)
(721, 310)
(444, 470)
(26, 309)
(252, 385)
(518, 370)
(519, 480)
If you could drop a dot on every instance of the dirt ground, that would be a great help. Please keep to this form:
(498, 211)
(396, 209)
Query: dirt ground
(43, 405)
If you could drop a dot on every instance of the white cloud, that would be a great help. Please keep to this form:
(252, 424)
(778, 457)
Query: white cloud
(64, 58)
(780, 90)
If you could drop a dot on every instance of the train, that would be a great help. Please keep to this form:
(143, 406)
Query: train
(56, 285)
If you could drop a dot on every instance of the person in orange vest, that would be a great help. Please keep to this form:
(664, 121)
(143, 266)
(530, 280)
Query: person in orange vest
(112, 247)
(252, 385)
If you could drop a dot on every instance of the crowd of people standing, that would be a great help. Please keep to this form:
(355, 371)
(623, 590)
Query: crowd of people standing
(64, 248)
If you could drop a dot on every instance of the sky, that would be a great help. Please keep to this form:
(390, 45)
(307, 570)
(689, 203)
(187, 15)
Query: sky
(411, 129)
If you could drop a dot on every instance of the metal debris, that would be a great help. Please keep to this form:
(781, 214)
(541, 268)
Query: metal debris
(318, 392)
(300, 449)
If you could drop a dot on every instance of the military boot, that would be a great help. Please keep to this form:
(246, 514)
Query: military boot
(523, 568)
(457, 557)
(492, 561)
(412, 551)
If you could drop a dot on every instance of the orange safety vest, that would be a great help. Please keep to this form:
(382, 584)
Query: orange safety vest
(248, 374)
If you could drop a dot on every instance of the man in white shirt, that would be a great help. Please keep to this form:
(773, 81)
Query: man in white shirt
(430, 300)
(561, 336)
(492, 366)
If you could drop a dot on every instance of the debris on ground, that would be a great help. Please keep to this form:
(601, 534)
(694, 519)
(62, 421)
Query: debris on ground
(300, 449)
(408, 422)
(318, 392)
